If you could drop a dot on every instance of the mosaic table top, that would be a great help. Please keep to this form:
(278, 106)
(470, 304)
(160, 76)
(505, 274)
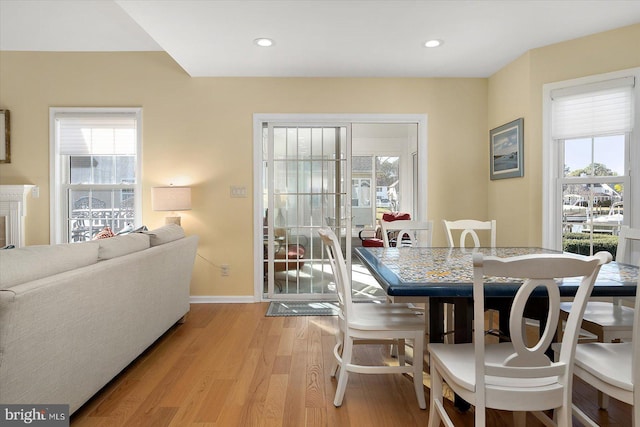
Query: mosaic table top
(449, 272)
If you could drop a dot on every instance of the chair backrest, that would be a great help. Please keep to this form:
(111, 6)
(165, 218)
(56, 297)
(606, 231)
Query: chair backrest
(470, 227)
(539, 270)
(339, 269)
(626, 236)
(418, 232)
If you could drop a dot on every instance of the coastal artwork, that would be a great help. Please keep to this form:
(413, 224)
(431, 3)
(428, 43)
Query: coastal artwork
(506, 150)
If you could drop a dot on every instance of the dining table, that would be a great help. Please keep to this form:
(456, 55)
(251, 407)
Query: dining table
(437, 276)
(445, 275)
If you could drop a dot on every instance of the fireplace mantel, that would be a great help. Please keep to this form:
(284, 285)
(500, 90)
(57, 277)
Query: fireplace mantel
(13, 208)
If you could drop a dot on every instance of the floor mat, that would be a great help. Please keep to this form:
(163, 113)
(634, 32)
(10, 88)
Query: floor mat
(302, 308)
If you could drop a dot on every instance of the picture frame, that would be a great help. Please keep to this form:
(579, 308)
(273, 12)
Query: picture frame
(5, 137)
(506, 145)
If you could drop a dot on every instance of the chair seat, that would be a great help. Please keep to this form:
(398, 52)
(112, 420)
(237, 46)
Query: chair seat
(606, 320)
(372, 317)
(610, 362)
(605, 313)
(458, 361)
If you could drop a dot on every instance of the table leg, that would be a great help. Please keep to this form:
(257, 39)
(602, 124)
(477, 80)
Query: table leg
(436, 320)
(463, 320)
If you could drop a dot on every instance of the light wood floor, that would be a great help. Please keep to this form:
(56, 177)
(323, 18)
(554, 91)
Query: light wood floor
(229, 365)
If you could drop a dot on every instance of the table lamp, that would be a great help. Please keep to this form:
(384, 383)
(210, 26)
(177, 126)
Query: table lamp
(171, 199)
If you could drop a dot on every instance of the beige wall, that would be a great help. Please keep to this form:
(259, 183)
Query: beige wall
(198, 132)
(516, 91)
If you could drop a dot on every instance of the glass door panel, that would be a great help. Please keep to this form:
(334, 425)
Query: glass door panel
(387, 188)
(305, 168)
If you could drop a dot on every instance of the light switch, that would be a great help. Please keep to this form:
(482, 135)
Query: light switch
(238, 191)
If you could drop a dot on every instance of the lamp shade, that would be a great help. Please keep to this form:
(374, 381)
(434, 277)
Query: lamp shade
(171, 198)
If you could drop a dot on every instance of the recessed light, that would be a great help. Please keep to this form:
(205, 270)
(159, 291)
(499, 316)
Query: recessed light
(433, 43)
(263, 42)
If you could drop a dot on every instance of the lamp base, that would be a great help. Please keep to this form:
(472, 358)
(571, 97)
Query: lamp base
(172, 220)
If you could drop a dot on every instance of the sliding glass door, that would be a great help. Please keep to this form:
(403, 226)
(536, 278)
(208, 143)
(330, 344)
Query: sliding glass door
(330, 171)
(304, 169)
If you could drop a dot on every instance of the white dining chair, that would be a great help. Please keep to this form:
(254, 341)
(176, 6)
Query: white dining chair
(407, 233)
(514, 376)
(367, 323)
(469, 228)
(613, 369)
(608, 321)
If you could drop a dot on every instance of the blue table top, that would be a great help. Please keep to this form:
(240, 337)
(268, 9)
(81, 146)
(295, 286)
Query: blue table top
(448, 272)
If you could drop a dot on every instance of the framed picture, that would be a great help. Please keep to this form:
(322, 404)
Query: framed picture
(5, 134)
(507, 153)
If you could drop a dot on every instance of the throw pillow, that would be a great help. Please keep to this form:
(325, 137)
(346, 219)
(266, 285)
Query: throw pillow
(395, 216)
(105, 233)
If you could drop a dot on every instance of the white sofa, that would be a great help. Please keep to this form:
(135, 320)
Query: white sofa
(72, 316)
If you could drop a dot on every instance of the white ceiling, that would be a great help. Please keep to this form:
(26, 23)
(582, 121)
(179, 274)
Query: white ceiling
(313, 38)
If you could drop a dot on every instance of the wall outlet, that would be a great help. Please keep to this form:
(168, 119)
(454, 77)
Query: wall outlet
(224, 270)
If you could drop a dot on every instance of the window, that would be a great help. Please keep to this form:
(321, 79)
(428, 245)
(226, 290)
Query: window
(591, 152)
(361, 192)
(95, 171)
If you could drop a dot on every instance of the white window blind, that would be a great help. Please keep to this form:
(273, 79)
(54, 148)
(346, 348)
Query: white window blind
(594, 109)
(104, 134)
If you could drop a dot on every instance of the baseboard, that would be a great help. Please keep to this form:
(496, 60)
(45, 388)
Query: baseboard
(215, 299)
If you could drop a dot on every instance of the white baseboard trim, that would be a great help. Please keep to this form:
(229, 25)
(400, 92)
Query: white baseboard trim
(214, 299)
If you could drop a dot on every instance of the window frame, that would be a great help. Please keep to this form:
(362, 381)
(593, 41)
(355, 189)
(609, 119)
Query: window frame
(552, 157)
(59, 171)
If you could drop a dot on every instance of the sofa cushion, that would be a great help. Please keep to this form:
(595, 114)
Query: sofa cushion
(166, 234)
(35, 262)
(122, 245)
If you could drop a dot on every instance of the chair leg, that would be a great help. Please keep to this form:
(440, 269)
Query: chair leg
(436, 398)
(400, 349)
(337, 350)
(562, 415)
(480, 416)
(418, 362)
(334, 369)
(449, 323)
(347, 351)
(603, 400)
(336, 361)
(519, 419)
(393, 350)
